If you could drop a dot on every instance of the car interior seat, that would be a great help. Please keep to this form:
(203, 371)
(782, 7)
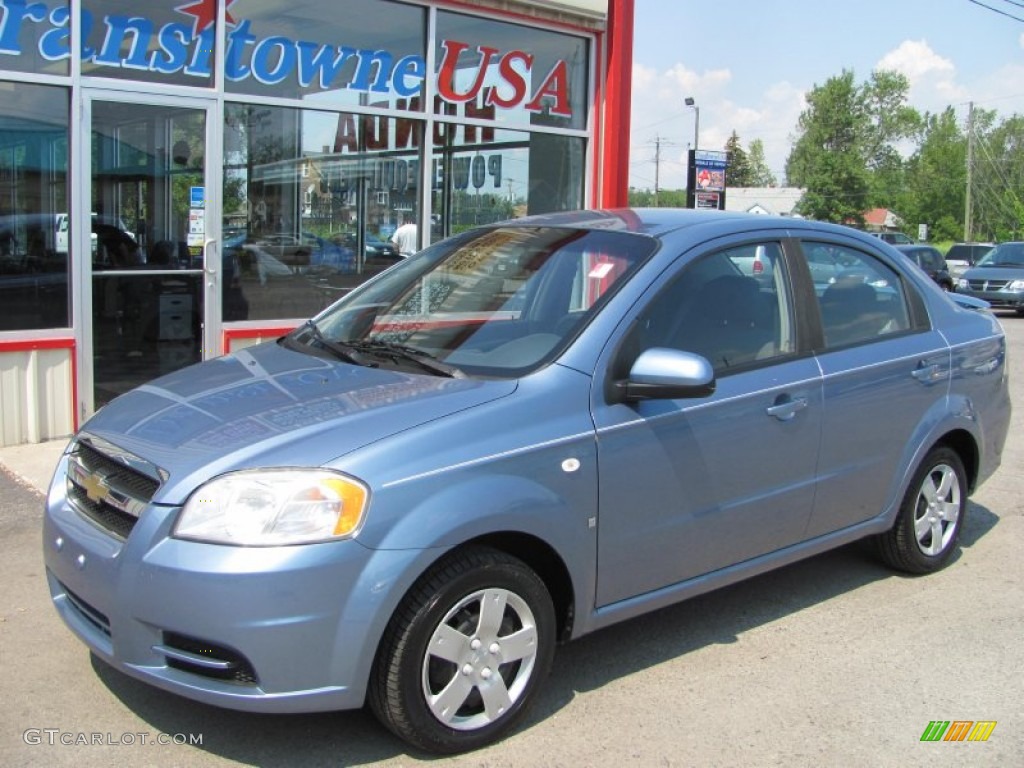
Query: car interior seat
(730, 322)
(850, 312)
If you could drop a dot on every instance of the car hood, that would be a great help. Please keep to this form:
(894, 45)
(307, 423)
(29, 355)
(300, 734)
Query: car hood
(269, 406)
(994, 273)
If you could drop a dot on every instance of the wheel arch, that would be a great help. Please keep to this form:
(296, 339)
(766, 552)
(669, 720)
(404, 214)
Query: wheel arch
(966, 447)
(543, 560)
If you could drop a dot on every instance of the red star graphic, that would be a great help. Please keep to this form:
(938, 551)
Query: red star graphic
(205, 13)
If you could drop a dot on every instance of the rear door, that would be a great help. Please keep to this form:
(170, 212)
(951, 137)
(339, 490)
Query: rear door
(883, 368)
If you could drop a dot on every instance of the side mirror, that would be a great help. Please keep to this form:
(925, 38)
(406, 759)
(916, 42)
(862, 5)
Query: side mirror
(661, 373)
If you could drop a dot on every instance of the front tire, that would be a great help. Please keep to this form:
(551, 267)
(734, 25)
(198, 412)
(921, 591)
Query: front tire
(927, 529)
(464, 653)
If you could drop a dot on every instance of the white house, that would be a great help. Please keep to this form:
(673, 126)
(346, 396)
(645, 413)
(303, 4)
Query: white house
(773, 201)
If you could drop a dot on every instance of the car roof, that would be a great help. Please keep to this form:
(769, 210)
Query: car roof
(908, 248)
(658, 222)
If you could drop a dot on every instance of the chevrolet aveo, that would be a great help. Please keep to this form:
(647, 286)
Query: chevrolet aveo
(523, 434)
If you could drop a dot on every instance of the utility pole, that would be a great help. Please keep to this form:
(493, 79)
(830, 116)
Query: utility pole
(968, 212)
(657, 166)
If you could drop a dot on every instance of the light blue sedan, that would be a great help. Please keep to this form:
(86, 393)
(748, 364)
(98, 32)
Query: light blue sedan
(523, 434)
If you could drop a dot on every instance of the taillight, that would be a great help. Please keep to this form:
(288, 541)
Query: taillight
(758, 266)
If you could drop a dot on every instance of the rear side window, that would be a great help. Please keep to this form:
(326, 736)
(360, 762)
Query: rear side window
(861, 300)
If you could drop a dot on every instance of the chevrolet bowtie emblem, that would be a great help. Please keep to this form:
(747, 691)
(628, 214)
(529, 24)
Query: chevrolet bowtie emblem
(95, 487)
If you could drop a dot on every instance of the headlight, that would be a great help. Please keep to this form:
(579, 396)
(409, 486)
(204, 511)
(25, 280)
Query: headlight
(274, 507)
(1014, 286)
(962, 284)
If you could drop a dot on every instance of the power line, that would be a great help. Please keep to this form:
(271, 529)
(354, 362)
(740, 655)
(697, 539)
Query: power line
(996, 10)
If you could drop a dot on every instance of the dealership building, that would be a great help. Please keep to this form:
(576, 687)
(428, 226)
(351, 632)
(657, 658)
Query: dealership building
(206, 174)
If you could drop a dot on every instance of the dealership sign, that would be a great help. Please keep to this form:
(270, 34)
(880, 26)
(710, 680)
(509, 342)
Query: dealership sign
(136, 43)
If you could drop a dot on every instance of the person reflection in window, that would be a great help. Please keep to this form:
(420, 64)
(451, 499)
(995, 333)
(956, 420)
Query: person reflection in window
(405, 239)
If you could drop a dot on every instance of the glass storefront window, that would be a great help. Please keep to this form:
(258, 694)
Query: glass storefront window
(34, 221)
(311, 200)
(514, 74)
(481, 177)
(361, 52)
(34, 37)
(171, 43)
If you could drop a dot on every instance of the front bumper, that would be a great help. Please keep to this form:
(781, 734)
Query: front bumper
(996, 299)
(276, 629)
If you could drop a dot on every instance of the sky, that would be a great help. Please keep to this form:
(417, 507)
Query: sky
(748, 65)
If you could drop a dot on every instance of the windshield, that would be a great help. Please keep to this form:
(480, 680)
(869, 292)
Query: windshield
(1004, 255)
(495, 302)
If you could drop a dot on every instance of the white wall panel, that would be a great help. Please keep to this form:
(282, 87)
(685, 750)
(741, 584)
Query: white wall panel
(36, 402)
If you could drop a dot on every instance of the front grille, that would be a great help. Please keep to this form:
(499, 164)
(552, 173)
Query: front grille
(87, 612)
(207, 659)
(987, 285)
(106, 491)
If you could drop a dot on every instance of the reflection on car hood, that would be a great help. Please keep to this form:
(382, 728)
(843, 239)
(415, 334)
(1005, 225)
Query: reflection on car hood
(268, 406)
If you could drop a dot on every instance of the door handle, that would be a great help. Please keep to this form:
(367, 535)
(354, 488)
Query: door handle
(786, 407)
(928, 374)
(207, 245)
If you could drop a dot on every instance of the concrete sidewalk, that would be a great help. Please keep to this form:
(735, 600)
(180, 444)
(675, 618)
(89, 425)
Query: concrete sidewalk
(33, 464)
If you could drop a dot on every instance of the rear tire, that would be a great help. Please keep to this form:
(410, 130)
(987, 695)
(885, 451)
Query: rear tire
(927, 528)
(464, 653)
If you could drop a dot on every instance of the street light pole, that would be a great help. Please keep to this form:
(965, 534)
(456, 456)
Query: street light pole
(689, 101)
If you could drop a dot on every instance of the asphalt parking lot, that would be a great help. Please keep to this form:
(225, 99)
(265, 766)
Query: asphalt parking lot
(834, 661)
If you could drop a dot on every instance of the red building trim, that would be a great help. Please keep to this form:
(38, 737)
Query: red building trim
(614, 188)
(231, 334)
(27, 345)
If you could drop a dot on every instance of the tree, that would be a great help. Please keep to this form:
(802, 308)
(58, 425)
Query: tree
(737, 173)
(760, 173)
(935, 179)
(846, 154)
(827, 159)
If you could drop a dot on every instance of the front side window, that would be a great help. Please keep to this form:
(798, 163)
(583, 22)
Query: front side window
(731, 307)
(860, 298)
(493, 302)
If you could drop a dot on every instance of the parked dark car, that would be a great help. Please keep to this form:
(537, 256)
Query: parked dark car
(377, 254)
(998, 277)
(523, 434)
(931, 261)
(962, 256)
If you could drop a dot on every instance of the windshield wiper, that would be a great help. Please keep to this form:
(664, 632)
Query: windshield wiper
(400, 352)
(345, 352)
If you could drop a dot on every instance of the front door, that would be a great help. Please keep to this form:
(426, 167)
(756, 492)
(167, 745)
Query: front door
(147, 228)
(691, 486)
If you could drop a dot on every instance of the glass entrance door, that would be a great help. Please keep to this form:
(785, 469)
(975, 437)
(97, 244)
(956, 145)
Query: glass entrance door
(151, 245)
